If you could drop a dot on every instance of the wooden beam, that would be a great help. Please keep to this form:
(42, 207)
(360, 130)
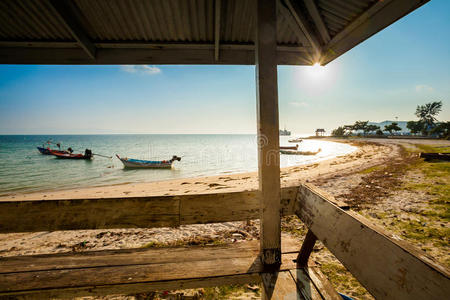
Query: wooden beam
(217, 29)
(317, 18)
(385, 265)
(132, 270)
(118, 56)
(135, 212)
(268, 132)
(375, 19)
(66, 12)
(306, 250)
(145, 45)
(302, 22)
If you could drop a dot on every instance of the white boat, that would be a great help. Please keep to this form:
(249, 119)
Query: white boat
(149, 164)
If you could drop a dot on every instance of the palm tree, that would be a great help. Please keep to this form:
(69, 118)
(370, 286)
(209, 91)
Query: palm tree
(426, 113)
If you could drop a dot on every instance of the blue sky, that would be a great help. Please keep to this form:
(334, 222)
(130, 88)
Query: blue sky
(385, 77)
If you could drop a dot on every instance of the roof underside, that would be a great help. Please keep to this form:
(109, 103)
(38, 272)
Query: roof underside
(185, 31)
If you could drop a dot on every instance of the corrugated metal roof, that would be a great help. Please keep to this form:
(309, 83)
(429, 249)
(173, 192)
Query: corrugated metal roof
(30, 20)
(165, 23)
(337, 14)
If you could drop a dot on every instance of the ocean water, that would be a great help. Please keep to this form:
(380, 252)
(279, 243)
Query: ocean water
(24, 169)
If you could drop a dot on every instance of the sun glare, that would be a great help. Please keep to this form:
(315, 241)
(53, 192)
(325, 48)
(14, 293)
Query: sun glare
(316, 71)
(315, 79)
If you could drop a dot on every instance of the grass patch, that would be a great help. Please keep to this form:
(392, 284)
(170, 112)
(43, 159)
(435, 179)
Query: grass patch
(294, 226)
(372, 169)
(342, 280)
(421, 231)
(432, 149)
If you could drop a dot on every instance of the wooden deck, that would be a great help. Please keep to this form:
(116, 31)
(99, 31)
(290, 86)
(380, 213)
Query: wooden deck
(144, 270)
(387, 267)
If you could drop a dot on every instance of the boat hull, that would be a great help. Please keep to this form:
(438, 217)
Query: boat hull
(146, 164)
(293, 152)
(142, 165)
(70, 156)
(48, 151)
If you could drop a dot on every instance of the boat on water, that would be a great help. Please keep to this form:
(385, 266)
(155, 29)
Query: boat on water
(87, 155)
(293, 152)
(289, 147)
(296, 140)
(149, 164)
(48, 151)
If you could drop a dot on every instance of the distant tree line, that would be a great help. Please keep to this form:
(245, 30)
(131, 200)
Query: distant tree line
(426, 125)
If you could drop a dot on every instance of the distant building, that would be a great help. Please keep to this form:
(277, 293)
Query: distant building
(285, 132)
(320, 132)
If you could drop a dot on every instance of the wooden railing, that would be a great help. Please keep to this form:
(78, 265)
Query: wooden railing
(388, 267)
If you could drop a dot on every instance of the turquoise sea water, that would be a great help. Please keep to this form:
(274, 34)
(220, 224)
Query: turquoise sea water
(24, 169)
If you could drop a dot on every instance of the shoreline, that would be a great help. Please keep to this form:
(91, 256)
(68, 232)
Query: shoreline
(47, 185)
(230, 182)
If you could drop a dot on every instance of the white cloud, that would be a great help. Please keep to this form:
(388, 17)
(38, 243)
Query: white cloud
(141, 69)
(298, 104)
(424, 88)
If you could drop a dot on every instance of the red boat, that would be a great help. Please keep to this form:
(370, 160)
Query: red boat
(87, 155)
(48, 151)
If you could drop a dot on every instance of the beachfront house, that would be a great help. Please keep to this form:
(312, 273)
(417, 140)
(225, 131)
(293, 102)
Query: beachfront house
(264, 33)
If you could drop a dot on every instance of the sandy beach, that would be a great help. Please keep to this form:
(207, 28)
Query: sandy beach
(338, 176)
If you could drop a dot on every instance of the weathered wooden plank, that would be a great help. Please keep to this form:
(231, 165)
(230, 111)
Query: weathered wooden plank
(125, 257)
(280, 286)
(218, 208)
(105, 271)
(388, 267)
(268, 131)
(305, 286)
(146, 45)
(49, 215)
(375, 19)
(323, 286)
(134, 288)
(135, 212)
(141, 55)
(298, 284)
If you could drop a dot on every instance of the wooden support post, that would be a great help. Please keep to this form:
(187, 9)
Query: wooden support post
(307, 248)
(268, 132)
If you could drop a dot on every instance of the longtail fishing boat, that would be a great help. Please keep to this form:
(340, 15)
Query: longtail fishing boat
(291, 152)
(289, 147)
(296, 140)
(149, 164)
(46, 150)
(87, 155)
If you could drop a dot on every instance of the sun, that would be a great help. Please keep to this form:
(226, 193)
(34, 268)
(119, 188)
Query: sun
(316, 71)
